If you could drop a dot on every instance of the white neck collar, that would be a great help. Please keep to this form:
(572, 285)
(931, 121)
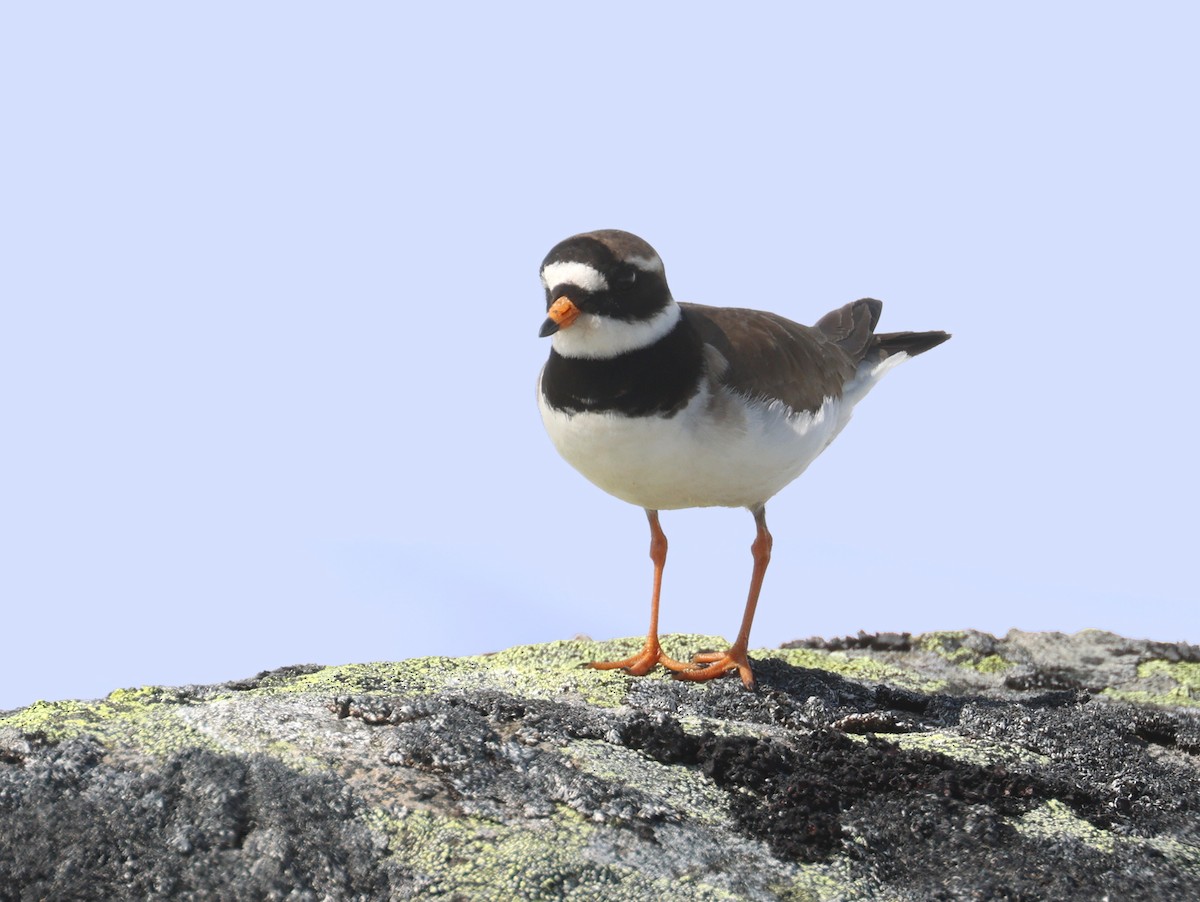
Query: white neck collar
(595, 336)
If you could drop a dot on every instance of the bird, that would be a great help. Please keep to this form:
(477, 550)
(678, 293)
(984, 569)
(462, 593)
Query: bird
(669, 405)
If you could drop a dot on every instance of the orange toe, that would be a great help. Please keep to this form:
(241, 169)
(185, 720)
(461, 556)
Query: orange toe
(643, 662)
(718, 664)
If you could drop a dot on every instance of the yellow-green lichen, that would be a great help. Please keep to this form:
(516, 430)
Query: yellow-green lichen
(549, 670)
(143, 719)
(1173, 698)
(993, 664)
(949, 645)
(1185, 674)
(146, 719)
(566, 857)
(558, 669)
(1162, 683)
(862, 668)
(972, 751)
(1054, 820)
(940, 642)
(830, 882)
(472, 858)
(685, 791)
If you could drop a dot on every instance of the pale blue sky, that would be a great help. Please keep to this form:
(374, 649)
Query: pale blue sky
(270, 306)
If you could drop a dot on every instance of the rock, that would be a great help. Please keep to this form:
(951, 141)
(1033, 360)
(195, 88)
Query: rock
(938, 766)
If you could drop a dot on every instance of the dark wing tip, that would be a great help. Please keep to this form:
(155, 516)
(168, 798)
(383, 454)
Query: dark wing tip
(911, 343)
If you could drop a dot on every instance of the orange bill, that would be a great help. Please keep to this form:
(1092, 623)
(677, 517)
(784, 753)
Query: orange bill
(561, 314)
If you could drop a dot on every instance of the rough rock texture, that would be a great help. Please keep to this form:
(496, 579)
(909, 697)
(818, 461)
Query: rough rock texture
(942, 766)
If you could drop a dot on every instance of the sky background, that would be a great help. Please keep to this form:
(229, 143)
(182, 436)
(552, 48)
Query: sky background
(269, 305)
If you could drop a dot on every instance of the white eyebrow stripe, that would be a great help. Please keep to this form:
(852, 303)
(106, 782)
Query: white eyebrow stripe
(646, 264)
(578, 274)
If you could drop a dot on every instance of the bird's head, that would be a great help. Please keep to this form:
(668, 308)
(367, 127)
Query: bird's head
(606, 295)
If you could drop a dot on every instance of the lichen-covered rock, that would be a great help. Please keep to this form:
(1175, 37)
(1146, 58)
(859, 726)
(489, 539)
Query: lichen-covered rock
(944, 766)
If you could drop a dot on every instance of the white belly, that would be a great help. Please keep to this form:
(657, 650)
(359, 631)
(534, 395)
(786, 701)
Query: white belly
(719, 451)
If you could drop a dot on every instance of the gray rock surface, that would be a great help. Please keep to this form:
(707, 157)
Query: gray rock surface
(942, 766)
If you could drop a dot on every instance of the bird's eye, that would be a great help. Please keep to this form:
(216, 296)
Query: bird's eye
(625, 279)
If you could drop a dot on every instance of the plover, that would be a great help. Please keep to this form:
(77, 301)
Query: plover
(671, 405)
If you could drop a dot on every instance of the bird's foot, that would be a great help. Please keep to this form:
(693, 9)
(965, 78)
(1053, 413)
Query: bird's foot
(710, 665)
(644, 661)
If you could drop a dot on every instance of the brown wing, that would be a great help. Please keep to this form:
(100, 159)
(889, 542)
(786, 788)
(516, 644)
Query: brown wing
(772, 357)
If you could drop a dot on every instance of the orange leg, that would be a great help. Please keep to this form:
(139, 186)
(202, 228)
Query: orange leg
(721, 663)
(651, 654)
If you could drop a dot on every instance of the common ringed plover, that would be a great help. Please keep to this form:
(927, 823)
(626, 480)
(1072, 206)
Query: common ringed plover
(668, 405)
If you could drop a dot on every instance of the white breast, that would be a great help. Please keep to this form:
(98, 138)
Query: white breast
(717, 452)
(722, 450)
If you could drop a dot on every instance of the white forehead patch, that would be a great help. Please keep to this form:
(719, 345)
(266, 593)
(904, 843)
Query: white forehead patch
(579, 274)
(600, 336)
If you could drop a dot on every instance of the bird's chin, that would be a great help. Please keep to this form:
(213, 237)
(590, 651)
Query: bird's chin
(586, 337)
(600, 337)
